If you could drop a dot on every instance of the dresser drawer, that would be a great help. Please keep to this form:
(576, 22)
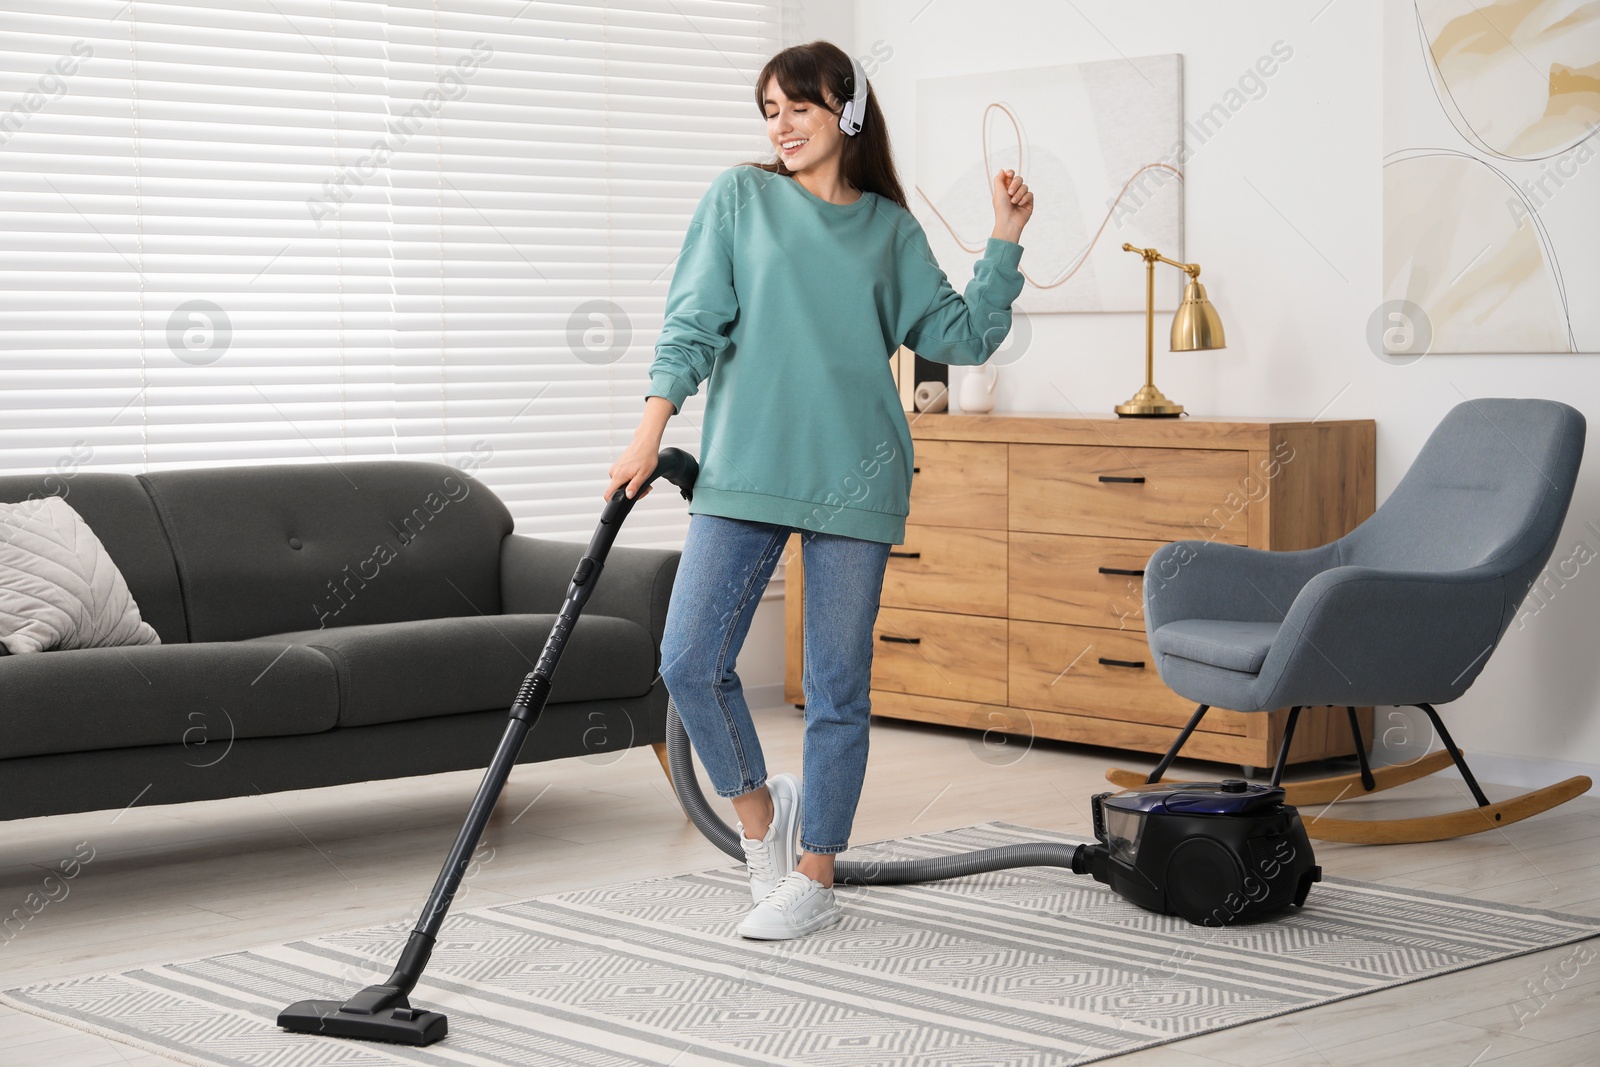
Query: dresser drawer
(947, 568)
(1157, 494)
(936, 653)
(959, 483)
(1087, 581)
(1085, 670)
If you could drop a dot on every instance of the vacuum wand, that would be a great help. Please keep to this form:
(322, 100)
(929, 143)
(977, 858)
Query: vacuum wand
(383, 1012)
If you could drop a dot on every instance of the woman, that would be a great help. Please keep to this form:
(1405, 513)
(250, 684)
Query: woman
(797, 281)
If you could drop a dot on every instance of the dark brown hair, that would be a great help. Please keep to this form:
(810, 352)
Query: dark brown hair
(866, 161)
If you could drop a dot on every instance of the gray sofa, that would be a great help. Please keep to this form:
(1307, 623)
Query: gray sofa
(320, 623)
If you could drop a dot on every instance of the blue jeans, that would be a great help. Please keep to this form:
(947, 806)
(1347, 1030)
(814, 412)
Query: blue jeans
(724, 569)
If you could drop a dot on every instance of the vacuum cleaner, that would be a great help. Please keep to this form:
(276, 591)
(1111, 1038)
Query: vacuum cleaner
(1214, 853)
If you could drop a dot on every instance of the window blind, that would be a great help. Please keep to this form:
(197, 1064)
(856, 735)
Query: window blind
(168, 299)
(537, 213)
(302, 230)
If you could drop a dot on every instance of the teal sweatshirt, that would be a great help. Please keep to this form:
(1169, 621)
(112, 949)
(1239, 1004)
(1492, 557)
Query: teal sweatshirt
(793, 306)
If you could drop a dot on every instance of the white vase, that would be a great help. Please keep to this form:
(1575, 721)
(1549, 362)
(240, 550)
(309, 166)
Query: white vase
(977, 389)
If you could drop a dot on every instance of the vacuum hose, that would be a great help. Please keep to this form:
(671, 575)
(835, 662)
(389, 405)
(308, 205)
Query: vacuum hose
(863, 872)
(681, 469)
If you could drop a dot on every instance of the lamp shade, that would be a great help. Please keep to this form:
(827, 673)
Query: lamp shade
(1196, 324)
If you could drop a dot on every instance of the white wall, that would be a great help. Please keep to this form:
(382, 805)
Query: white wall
(1295, 280)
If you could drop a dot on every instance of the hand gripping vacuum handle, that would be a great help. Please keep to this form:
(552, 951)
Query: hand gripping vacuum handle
(677, 467)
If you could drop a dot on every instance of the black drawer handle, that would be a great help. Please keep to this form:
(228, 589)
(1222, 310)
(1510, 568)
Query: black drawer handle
(1119, 570)
(902, 640)
(908, 555)
(1137, 664)
(916, 470)
(1137, 479)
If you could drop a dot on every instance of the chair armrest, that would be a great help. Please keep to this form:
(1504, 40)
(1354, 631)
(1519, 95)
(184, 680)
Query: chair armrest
(1367, 635)
(1208, 580)
(635, 583)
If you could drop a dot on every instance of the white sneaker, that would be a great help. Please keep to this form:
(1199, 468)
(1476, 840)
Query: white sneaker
(798, 905)
(775, 855)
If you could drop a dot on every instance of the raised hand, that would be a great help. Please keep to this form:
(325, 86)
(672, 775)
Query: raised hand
(1013, 205)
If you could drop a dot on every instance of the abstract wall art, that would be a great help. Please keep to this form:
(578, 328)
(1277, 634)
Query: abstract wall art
(1101, 143)
(1491, 186)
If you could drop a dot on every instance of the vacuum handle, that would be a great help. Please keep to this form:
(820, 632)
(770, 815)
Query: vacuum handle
(677, 467)
(673, 464)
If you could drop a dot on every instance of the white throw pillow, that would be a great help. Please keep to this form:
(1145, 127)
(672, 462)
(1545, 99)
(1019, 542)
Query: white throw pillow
(59, 588)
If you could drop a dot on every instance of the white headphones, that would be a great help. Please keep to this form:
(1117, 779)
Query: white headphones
(855, 109)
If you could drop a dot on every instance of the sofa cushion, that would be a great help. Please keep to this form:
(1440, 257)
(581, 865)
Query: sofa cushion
(389, 672)
(59, 588)
(194, 697)
(279, 548)
(119, 511)
(1225, 643)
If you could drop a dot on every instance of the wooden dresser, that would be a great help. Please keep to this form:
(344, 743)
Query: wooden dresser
(1015, 604)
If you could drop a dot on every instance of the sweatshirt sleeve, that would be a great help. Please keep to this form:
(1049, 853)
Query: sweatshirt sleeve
(701, 302)
(952, 328)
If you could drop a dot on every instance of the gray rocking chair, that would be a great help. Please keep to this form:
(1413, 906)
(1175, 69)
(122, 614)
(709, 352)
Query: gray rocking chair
(1403, 610)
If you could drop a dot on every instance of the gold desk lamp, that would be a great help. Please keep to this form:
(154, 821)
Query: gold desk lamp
(1195, 326)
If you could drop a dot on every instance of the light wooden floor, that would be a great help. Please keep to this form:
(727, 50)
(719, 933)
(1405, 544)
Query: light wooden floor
(188, 880)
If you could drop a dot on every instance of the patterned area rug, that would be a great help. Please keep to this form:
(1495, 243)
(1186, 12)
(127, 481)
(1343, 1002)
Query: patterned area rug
(1031, 966)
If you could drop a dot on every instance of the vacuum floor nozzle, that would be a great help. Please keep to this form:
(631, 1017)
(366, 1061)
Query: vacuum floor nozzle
(400, 1024)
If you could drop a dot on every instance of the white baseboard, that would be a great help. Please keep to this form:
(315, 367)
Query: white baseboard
(1519, 772)
(759, 697)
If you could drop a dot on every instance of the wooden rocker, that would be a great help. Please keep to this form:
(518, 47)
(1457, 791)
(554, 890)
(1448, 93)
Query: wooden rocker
(1320, 790)
(1403, 610)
